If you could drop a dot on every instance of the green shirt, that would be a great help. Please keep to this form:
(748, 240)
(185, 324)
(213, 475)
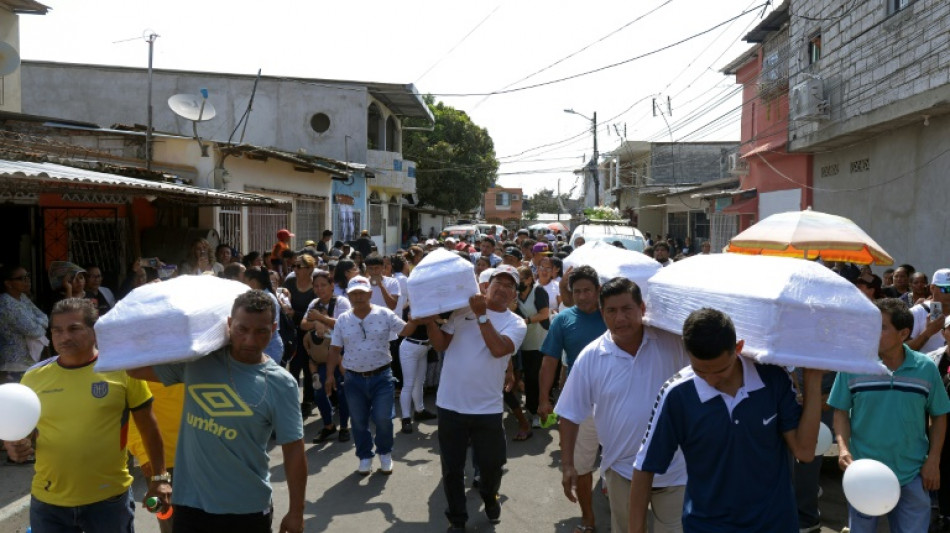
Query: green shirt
(887, 413)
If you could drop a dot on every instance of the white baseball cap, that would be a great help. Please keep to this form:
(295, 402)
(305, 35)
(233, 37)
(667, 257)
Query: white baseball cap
(358, 283)
(506, 270)
(942, 277)
(485, 276)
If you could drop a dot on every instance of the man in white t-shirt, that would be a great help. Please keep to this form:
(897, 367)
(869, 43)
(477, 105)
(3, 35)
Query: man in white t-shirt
(924, 337)
(364, 331)
(477, 341)
(385, 289)
(621, 372)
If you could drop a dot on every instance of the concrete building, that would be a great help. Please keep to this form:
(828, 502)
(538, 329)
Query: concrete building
(352, 122)
(10, 11)
(870, 97)
(648, 181)
(771, 180)
(503, 206)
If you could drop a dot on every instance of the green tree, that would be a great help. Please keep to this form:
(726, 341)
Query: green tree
(545, 201)
(455, 162)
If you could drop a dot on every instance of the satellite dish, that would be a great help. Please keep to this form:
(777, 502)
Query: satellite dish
(9, 58)
(192, 107)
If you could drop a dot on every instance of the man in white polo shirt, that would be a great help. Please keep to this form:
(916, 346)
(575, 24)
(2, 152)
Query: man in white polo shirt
(478, 342)
(621, 372)
(364, 331)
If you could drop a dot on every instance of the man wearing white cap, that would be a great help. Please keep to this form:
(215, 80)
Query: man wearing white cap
(364, 331)
(478, 342)
(928, 321)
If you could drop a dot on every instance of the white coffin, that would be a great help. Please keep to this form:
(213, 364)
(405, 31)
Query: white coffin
(611, 262)
(441, 282)
(173, 321)
(790, 312)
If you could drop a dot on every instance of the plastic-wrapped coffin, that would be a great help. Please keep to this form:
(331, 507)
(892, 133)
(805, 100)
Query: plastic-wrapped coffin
(790, 312)
(441, 282)
(611, 262)
(177, 320)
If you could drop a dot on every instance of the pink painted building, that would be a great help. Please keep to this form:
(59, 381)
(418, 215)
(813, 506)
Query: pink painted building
(771, 180)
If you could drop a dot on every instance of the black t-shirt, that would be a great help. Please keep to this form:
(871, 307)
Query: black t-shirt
(299, 301)
(102, 305)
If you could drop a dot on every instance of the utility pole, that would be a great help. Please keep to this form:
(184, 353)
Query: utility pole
(595, 167)
(148, 130)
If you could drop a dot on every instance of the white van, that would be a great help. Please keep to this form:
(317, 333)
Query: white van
(609, 232)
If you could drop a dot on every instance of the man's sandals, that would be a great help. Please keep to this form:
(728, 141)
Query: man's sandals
(524, 435)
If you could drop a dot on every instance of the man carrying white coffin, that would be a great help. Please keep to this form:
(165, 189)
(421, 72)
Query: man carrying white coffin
(237, 396)
(621, 373)
(478, 342)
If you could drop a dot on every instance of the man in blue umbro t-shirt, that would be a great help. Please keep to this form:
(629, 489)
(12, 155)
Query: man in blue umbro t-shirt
(735, 421)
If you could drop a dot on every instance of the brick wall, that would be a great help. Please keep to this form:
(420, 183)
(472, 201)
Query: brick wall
(872, 60)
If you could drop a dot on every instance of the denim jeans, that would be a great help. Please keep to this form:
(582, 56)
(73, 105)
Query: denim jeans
(486, 433)
(371, 398)
(323, 402)
(112, 515)
(912, 514)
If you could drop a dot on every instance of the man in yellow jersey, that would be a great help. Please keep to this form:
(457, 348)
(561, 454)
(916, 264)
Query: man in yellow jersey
(82, 482)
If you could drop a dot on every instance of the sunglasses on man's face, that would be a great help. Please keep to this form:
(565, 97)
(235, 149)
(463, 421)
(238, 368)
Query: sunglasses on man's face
(945, 289)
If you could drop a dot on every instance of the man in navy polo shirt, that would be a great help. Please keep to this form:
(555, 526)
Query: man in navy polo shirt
(735, 422)
(885, 418)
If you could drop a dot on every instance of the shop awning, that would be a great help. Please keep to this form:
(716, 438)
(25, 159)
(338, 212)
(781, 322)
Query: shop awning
(25, 177)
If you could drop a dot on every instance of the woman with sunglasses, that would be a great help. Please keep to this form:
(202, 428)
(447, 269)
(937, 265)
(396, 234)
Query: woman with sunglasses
(301, 294)
(21, 323)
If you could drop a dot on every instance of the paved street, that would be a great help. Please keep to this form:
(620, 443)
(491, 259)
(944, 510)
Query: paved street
(411, 500)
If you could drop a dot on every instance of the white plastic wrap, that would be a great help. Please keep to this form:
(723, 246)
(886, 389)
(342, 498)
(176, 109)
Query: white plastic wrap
(611, 262)
(790, 312)
(441, 282)
(173, 321)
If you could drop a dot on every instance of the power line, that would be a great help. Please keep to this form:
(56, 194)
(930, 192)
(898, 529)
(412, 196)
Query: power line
(462, 40)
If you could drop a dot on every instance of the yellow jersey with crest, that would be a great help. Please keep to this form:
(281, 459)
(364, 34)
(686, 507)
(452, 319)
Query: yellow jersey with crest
(81, 453)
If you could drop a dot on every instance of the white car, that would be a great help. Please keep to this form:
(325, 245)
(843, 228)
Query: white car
(609, 232)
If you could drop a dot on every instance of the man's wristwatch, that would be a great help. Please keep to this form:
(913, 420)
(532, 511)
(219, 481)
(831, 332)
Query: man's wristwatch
(165, 478)
(482, 319)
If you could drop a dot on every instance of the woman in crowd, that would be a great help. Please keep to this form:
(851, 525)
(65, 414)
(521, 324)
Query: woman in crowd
(301, 294)
(22, 324)
(549, 277)
(534, 307)
(345, 270)
(319, 322)
(919, 289)
(200, 260)
(67, 281)
(481, 264)
(253, 259)
(258, 279)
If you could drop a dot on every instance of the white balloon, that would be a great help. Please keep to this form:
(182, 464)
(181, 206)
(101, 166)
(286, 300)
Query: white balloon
(871, 487)
(19, 411)
(825, 438)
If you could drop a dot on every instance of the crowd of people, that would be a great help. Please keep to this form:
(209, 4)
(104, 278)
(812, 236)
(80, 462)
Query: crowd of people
(689, 435)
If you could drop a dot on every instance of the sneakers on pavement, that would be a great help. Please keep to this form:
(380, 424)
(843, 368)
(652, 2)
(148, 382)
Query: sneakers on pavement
(406, 425)
(424, 415)
(493, 510)
(386, 463)
(366, 466)
(536, 421)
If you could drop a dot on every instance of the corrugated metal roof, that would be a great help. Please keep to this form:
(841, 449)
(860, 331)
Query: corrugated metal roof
(315, 162)
(26, 7)
(31, 176)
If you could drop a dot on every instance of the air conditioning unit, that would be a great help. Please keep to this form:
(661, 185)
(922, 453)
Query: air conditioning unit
(738, 165)
(807, 101)
(515, 197)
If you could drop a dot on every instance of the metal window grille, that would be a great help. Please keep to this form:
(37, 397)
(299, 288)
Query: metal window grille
(347, 222)
(262, 226)
(229, 227)
(393, 219)
(375, 219)
(310, 218)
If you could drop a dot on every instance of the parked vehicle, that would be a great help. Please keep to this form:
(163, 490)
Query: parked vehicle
(630, 237)
(468, 231)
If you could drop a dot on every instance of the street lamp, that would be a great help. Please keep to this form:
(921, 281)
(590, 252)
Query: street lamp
(594, 169)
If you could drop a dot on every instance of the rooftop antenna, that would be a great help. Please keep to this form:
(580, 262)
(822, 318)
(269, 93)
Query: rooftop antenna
(195, 108)
(149, 35)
